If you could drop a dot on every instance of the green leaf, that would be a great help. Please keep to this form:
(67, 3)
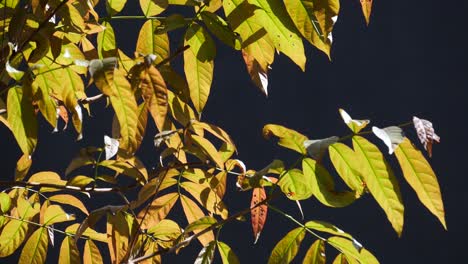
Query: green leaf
(316, 253)
(69, 252)
(322, 226)
(55, 214)
(165, 230)
(199, 64)
(221, 29)
(288, 138)
(323, 185)
(22, 119)
(227, 255)
(150, 42)
(80, 181)
(420, 176)
(153, 7)
(346, 164)
(296, 185)
(200, 224)
(287, 248)
(206, 255)
(106, 44)
(276, 21)
(115, 6)
(380, 181)
(345, 246)
(154, 92)
(91, 254)
(35, 249)
(5, 202)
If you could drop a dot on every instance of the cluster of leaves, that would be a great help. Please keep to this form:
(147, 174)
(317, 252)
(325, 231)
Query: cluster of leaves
(50, 48)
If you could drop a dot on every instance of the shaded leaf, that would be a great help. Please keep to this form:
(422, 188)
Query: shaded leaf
(151, 42)
(35, 249)
(316, 253)
(118, 235)
(366, 6)
(258, 74)
(84, 158)
(391, 136)
(323, 185)
(288, 138)
(192, 213)
(206, 255)
(227, 255)
(207, 197)
(158, 209)
(287, 248)
(346, 164)
(420, 176)
(258, 215)
(154, 91)
(380, 181)
(296, 185)
(221, 29)
(425, 132)
(69, 200)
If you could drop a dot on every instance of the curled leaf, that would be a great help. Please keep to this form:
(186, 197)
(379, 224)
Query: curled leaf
(354, 124)
(391, 136)
(111, 146)
(425, 133)
(316, 147)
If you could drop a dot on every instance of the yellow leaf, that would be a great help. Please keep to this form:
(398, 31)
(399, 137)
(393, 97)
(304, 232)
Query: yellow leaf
(227, 254)
(323, 185)
(158, 209)
(150, 43)
(165, 230)
(118, 235)
(316, 253)
(91, 254)
(207, 197)
(12, 236)
(380, 181)
(295, 185)
(420, 176)
(5, 202)
(35, 249)
(154, 92)
(55, 214)
(287, 248)
(22, 119)
(69, 251)
(366, 9)
(327, 228)
(69, 200)
(149, 189)
(216, 131)
(199, 64)
(22, 167)
(80, 181)
(115, 6)
(47, 177)
(153, 7)
(89, 233)
(288, 138)
(208, 149)
(106, 44)
(73, 90)
(346, 164)
(192, 213)
(180, 110)
(122, 167)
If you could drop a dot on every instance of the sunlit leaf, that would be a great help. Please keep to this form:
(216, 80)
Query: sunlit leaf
(206, 255)
(346, 164)
(288, 138)
(69, 252)
(208, 149)
(420, 176)
(35, 249)
(199, 64)
(258, 214)
(391, 136)
(22, 119)
(22, 167)
(214, 130)
(192, 213)
(106, 44)
(323, 185)
(296, 185)
(366, 9)
(89, 233)
(353, 124)
(165, 230)
(47, 177)
(345, 246)
(154, 91)
(287, 248)
(327, 228)
(380, 181)
(55, 214)
(153, 7)
(200, 224)
(5, 202)
(158, 209)
(115, 6)
(118, 235)
(150, 42)
(316, 253)
(69, 200)
(12, 236)
(44, 86)
(207, 197)
(91, 253)
(227, 255)
(426, 133)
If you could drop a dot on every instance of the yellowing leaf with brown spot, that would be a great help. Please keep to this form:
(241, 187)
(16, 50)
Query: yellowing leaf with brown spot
(199, 64)
(151, 43)
(158, 209)
(366, 9)
(69, 253)
(69, 200)
(154, 92)
(258, 214)
(420, 176)
(192, 213)
(22, 119)
(91, 253)
(380, 181)
(35, 249)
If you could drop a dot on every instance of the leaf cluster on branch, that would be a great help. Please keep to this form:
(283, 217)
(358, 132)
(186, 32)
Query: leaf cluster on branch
(52, 50)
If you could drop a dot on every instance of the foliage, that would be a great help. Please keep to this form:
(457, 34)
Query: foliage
(50, 49)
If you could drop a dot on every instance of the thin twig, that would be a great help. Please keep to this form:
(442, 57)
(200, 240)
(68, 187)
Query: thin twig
(66, 187)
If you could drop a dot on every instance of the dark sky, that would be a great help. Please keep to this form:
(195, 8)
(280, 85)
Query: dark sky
(411, 60)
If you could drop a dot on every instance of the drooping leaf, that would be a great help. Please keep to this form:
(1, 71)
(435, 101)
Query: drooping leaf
(287, 248)
(22, 119)
(391, 136)
(89, 233)
(69, 252)
(192, 213)
(69, 200)
(380, 181)
(420, 176)
(288, 138)
(206, 255)
(199, 64)
(258, 74)
(258, 215)
(316, 147)
(221, 29)
(35, 249)
(323, 185)
(154, 93)
(91, 253)
(296, 185)
(316, 253)
(158, 209)
(150, 42)
(426, 133)
(345, 246)
(84, 158)
(227, 255)
(346, 164)
(327, 228)
(55, 214)
(153, 7)
(366, 6)
(355, 125)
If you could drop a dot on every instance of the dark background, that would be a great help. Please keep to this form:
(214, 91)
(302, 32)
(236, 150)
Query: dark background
(411, 60)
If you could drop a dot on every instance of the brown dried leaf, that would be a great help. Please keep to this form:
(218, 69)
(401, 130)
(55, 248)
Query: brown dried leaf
(425, 133)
